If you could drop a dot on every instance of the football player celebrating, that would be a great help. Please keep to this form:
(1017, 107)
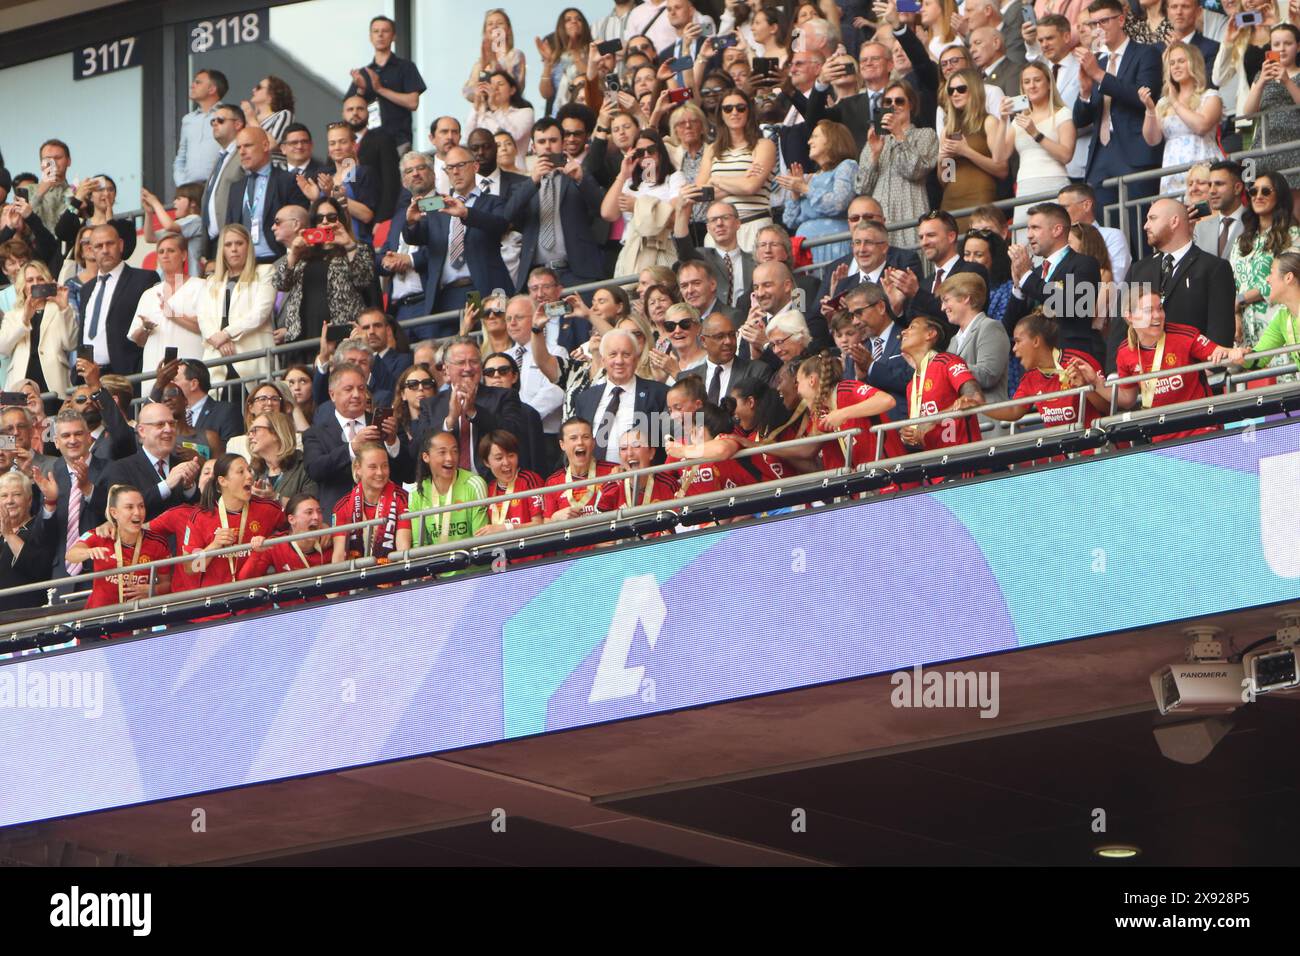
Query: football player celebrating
(941, 382)
(230, 515)
(636, 453)
(275, 557)
(500, 449)
(441, 482)
(579, 447)
(373, 497)
(766, 414)
(835, 405)
(126, 544)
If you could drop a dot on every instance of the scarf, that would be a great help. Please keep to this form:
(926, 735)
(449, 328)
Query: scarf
(380, 540)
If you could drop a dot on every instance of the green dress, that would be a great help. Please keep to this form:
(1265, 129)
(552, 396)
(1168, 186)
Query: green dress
(1251, 272)
(1283, 329)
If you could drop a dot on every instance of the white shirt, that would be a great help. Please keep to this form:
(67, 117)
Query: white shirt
(360, 420)
(1179, 253)
(193, 411)
(214, 215)
(622, 419)
(1051, 262)
(883, 338)
(946, 268)
(451, 273)
(164, 489)
(536, 389)
(736, 274)
(1117, 246)
(103, 296)
(441, 181)
(1112, 66)
(725, 383)
(855, 271)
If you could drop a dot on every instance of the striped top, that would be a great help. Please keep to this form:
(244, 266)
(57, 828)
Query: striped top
(736, 162)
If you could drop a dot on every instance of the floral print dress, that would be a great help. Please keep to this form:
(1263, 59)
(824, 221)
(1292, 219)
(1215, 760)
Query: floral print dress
(1251, 272)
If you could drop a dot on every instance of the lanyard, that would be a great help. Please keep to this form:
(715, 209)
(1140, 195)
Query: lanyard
(587, 492)
(1148, 387)
(442, 501)
(225, 523)
(499, 510)
(305, 562)
(629, 491)
(918, 386)
(117, 555)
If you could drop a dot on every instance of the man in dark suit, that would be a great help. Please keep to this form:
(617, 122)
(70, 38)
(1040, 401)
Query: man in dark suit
(607, 405)
(1109, 101)
(111, 435)
(296, 144)
(354, 351)
(227, 120)
(469, 409)
(201, 409)
(108, 304)
(255, 199)
(511, 188)
(732, 265)
(871, 256)
(1196, 288)
(330, 445)
(699, 287)
(772, 244)
(879, 360)
(1065, 285)
(462, 239)
(557, 219)
(374, 328)
(74, 475)
(722, 368)
(1181, 15)
(937, 236)
(410, 292)
(163, 477)
(376, 150)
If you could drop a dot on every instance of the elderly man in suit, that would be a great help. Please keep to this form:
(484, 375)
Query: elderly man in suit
(164, 477)
(227, 120)
(108, 304)
(462, 239)
(469, 409)
(68, 488)
(331, 444)
(1182, 16)
(261, 193)
(722, 367)
(878, 360)
(871, 256)
(988, 51)
(733, 266)
(557, 226)
(411, 292)
(623, 400)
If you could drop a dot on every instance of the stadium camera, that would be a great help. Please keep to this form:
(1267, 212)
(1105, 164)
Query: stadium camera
(1273, 667)
(1206, 682)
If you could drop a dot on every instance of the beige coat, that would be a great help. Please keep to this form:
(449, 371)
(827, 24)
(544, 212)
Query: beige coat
(249, 325)
(59, 336)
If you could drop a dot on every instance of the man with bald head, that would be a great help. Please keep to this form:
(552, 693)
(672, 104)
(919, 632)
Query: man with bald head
(261, 193)
(988, 50)
(377, 152)
(462, 240)
(723, 367)
(108, 304)
(1006, 18)
(1195, 286)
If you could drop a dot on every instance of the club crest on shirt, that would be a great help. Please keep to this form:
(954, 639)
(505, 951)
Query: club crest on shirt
(1171, 360)
(254, 526)
(929, 385)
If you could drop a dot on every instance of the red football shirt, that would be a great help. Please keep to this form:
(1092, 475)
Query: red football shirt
(584, 501)
(1184, 345)
(662, 487)
(1057, 411)
(103, 591)
(847, 394)
(176, 523)
(277, 558)
(945, 374)
(264, 520)
(772, 467)
(714, 476)
(521, 510)
(343, 514)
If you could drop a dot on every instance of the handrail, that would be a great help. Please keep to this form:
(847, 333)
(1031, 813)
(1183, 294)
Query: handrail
(151, 566)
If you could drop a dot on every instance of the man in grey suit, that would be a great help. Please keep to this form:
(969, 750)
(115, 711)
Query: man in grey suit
(988, 51)
(227, 121)
(1218, 233)
(732, 265)
(722, 368)
(981, 341)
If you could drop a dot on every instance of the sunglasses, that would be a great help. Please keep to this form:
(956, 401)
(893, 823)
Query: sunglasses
(1264, 191)
(569, 133)
(958, 88)
(642, 153)
(713, 91)
(893, 101)
(494, 313)
(684, 325)
(325, 217)
(421, 383)
(496, 370)
(735, 108)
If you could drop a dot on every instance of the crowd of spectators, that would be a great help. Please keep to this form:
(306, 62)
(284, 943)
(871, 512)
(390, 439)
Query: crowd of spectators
(685, 164)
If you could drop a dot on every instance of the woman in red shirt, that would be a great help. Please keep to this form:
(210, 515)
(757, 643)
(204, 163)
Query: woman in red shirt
(711, 438)
(126, 544)
(941, 382)
(769, 413)
(177, 524)
(835, 406)
(500, 449)
(276, 557)
(374, 496)
(229, 515)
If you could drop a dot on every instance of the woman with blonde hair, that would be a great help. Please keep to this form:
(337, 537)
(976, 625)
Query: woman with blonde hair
(1187, 116)
(234, 307)
(38, 333)
(688, 138)
(496, 52)
(276, 461)
(936, 17)
(1042, 136)
(682, 325)
(1085, 238)
(639, 327)
(973, 142)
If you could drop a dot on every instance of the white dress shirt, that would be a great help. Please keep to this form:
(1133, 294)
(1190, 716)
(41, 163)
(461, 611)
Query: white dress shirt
(1117, 246)
(164, 489)
(623, 419)
(103, 297)
(512, 243)
(725, 383)
(536, 389)
(360, 421)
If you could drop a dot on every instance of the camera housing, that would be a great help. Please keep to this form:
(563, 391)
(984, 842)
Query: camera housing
(1198, 687)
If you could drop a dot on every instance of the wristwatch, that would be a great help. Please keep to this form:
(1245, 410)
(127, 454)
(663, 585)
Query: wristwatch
(539, 330)
(1038, 137)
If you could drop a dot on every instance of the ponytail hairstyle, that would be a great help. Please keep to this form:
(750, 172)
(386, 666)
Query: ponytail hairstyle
(421, 469)
(1044, 327)
(1288, 263)
(770, 412)
(208, 499)
(114, 493)
(715, 419)
(828, 370)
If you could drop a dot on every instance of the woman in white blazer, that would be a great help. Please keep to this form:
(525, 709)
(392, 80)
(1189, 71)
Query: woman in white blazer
(49, 319)
(165, 317)
(248, 289)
